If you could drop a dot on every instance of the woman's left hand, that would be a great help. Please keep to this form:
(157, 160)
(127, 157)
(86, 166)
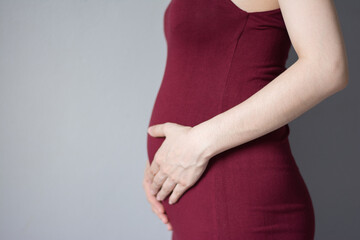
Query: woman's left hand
(178, 163)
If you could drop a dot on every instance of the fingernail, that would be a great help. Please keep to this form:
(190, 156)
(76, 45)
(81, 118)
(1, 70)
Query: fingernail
(152, 192)
(158, 198)
(170, 202)
(149, 130)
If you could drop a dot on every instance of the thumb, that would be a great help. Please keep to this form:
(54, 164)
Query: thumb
(157, 130)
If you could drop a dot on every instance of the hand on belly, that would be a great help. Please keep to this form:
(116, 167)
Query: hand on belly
(178, 163)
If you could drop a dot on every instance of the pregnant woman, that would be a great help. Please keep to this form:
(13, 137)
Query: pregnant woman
(220, 164)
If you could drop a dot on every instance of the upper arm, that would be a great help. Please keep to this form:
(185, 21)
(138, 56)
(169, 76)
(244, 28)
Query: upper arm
(314, 31)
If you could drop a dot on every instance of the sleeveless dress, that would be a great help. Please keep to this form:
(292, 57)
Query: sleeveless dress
(218, 55)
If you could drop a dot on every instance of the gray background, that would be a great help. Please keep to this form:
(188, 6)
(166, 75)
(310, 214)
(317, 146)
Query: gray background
(78, 80)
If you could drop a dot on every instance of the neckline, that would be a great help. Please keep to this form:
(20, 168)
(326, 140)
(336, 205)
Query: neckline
(276, 10)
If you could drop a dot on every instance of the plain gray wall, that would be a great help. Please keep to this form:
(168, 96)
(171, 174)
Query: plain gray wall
(78, 80)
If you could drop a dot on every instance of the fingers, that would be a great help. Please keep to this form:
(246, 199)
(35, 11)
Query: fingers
(169, 226)
(148, 176)
(177, 192)
(161, 215)
(157, 130)
(166, 189)
(162, 185)
(151, 198)
(151, 171)
(156, 206)
(157, 182)
(147, 166)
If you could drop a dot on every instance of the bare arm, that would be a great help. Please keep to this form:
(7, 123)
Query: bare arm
(320, 71)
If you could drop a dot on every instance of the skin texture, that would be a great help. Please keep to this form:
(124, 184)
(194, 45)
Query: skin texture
(320, 71)
(256, 5)
(156, 206)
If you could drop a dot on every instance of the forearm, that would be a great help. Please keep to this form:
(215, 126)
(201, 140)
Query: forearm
(296, 90)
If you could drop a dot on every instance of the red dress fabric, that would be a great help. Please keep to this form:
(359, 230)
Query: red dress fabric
(218, 55)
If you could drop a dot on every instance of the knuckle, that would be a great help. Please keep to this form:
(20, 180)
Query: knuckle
(156, 161)
(159, 158)
(172, 179)
(152, 171)
(183, 182)
(164, 189)
(175, 191)
(155, 184)
(161, 175)
(166, 170)
(168, 184)
(162, 178)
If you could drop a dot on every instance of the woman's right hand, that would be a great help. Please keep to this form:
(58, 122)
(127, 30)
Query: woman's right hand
(156, 205)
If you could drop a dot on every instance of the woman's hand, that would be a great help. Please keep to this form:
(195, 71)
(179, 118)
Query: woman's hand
(178, 163)
(156, 205)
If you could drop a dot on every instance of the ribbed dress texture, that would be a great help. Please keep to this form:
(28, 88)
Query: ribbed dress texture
(218, 55)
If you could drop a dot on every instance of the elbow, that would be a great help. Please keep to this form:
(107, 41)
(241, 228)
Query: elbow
(338, 74)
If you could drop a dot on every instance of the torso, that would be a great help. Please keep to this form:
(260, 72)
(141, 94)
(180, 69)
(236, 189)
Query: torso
(220, 53)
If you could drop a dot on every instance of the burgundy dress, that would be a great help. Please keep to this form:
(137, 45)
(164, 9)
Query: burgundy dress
(218, 55)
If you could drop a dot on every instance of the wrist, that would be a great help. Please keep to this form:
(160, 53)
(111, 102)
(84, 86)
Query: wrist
(207, 134)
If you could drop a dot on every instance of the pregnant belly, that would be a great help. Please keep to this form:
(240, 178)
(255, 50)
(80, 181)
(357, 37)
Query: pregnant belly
(189, 103)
